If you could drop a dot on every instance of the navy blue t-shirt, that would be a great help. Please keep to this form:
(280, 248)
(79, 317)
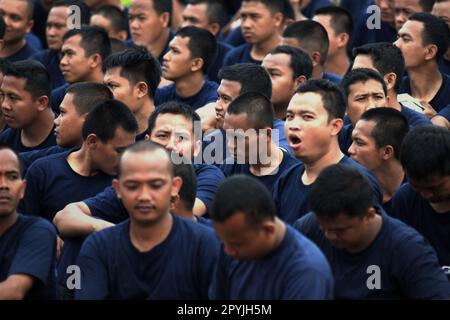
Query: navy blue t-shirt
(207, 94)
(180, 267)
(50, 59)
(107, 206)
(282, 140)
(292, 196)
(345, 138)
(444, 66)
(362, 35)
(222, 49)
(410, 207)
(57, 97)
(235, 38)
(29, 157)
(130, 43)
(309, 10)
(445, 112)
(33, 40)
(28, 247)
(442, 97)
(268, 180)
(414, 118)
(25, 53)
(295, 270)
(11, 137)
(240, 54)
(407, 264)
(52, 184)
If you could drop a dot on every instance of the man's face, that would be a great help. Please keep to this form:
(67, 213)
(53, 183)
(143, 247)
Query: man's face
(105, 156)
(364, 149)
(74, 65)
(364, 96)
(387, 11)
(146, 25)
(435, 189)
(68, 125)
(196, 15)
(325, 21)
(228, 91)
(258, 24)
(176, 134)
(282, 77)
(18, 106)
(307, 127)
(410, 43)
(12, 186)
(17, 22)
(403, 9)
(363, 61)
(122, 89)
(146, 186)
(442, 10)
(56, 27)
(102, 22)
(241, 240)
(177, 61)
(345, 232)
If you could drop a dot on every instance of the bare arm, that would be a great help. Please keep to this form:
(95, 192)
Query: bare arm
(15, 287)
(76, 220)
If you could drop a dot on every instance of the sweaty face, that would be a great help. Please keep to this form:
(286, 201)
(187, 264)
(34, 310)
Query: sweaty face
(258, 24)
(146, 186)
(68, 125)
(17, 23)
(364, 149)
(12, 187)
(308, 130)
(240, 240)
(74, 65)
(228, 91)
(18, 106)
(56, 27)
(177, 61)
(410, 43)
(364, 96)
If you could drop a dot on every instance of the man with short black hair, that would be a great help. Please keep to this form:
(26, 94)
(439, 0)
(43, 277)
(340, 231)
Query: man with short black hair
(112, 19)
(441, 9)
(372, 255)
(405, 8)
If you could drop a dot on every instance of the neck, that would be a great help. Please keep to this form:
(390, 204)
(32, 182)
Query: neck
(313, 168)
(95, 76)
(393, 102)
(390, 177)
(280, 232)
(182, 212)
(425, 82)
(12, 48)
(190, 85)
(441, 207)
(273, 161)
(37, 131)
(157, 46)
(372, 232)
(81, 162)
(143, 114)
(260, 50)
(7, 221)
(317, 72)
(337, 64)
(145, 237)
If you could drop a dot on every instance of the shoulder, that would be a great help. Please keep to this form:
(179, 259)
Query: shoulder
(207, 170)
(37, 226)
(199, 234)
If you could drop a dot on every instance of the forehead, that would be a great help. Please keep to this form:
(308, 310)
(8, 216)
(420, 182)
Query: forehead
(308, 101)
(364, 128)
(293, 42)
(9, 161)
(67, 102)
(237, 121)
(180, 42)
(407, 4)
(342, 220)
(58, 12)
(12, 83)
(281, 60)
(196, 10)
(230, 88)
(325, 21)
(413, 28)
(254, 7)
(363, 61)
(73, 42)
(19, 8)
(99, 20)
(441, 9)
(368, 86)
(168, 121)
(233, 227)
(145, 165)
(141, 5)
(114, 74)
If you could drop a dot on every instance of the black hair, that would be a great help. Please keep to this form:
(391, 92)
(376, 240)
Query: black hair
(256, 106)
(229, 200)
(161, 6)
(274, 6)
(113, 14)
(2, 28)
(312, 36)
(361, 75)
(175, 108)
(106, 118)
(36, 76)
(427, 5)
(86, 95)
(386, 58)
(188, 190)
(332, 97)
(202, 44)
(93, 40)
(136, 64)
(390, 127)
(85, 12)
(4, 146)
(340, 189)
(252, 77)
(4, 65)
(214, 11)
(341, 20)
(117, 45)
(435, 31)
(300, 64)
(425, 152)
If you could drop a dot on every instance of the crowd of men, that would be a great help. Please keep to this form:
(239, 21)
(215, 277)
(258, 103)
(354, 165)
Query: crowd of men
(208, 149)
